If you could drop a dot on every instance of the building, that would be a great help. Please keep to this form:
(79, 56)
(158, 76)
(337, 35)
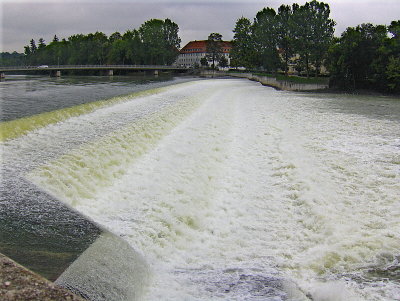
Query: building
(194, 51)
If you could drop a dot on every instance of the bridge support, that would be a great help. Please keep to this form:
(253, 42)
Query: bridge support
(156, 72)
(110, 72)
(2, 75)
(58, 73)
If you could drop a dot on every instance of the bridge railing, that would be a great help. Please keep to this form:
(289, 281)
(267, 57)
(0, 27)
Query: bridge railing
(43, 67)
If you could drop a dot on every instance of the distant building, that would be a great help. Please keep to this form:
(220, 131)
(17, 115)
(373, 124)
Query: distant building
(194, 51)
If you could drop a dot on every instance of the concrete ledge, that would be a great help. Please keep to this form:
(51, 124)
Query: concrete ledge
(268, 81)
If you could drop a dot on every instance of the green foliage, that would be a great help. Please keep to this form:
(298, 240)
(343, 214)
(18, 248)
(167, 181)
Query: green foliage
(204, 61)
(285, 35)
(243, 50)
(214, 48)
(12, 59)
(223, 62)
(33, 47)
(265, 29)
(155, 42)
(393, 74)
(273, 38)
(365, 57)
(313, 32)
(160, 41)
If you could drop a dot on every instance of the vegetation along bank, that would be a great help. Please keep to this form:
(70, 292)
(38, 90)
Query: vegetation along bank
(295, 39)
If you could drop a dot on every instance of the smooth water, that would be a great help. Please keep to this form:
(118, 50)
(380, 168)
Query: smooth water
(235, 191)
(24, 95)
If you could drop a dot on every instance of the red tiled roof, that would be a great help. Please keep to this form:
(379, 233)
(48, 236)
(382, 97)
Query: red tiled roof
(201, 46)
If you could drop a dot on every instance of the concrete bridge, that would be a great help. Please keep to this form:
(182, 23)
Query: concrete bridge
(56, 69)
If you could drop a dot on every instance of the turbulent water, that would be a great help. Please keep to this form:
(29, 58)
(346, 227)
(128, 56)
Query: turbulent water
(235, 191)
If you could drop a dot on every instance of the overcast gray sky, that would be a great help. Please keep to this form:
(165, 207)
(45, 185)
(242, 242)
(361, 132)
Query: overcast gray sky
(22, 20)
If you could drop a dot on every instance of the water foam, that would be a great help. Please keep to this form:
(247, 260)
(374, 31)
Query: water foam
(236, 191)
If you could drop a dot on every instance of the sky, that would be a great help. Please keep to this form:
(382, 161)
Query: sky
(22, 20)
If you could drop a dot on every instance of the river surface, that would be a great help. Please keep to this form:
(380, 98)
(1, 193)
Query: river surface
(230, 190)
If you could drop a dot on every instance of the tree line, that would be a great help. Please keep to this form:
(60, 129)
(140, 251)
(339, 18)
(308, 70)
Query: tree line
(156, 42)
(364, 57)
(274, 37)
(301, 36)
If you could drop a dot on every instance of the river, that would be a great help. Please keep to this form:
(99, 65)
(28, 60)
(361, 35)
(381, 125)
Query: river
(230, 190)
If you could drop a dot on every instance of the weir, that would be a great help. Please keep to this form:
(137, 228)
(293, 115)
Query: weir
(61, 245)
(210, 190)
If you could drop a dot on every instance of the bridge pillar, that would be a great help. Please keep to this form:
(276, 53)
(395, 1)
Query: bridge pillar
(2, 75)
(58, 73)
(156, 72)
(110, 72)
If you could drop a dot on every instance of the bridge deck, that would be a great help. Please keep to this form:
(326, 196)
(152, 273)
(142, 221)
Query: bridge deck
(90, 67)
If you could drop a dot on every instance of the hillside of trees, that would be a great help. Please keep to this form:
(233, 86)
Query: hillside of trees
(156, 42)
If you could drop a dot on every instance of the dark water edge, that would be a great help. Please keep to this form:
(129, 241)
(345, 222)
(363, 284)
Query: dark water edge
(27, 95)
(38, 231)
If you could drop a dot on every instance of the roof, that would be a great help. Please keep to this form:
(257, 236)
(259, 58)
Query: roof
(201, 46)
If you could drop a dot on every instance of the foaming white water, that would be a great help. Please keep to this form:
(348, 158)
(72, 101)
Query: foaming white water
(238, 192)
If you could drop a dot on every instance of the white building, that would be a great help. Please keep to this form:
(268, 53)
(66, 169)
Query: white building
(194, 51)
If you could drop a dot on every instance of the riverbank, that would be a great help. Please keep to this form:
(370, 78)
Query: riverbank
(19, 283)
(269, 81)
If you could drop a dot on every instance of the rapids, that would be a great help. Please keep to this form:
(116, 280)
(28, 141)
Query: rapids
(235, 191)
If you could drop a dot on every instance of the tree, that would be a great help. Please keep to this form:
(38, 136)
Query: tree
(394, 29)
(33, 47)
(42, 44)
(322, 28)
(393, 74)
(172, 41)
(242, 53)
(12, 59)
(27, 50)
(353, 57)
(160, 40)
(156, 42)
(135, 51)
(214, 48)
(204, 61)
(265, 39)
(114, 37)
(223, 62)
(118, 52)
(313, 32)
(285, 35)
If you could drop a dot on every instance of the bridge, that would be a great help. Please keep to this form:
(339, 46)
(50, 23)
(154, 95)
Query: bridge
(56, 69)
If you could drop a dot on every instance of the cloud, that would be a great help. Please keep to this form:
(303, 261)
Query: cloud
(23, 20)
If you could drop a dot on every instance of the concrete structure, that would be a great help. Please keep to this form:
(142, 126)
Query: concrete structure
(56, 70)
(269, 81)
(194, 51)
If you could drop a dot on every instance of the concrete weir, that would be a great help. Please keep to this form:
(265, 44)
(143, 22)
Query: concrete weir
(269, 81)
(56, 242)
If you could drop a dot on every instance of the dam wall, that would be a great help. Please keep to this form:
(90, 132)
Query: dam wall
(268, 81)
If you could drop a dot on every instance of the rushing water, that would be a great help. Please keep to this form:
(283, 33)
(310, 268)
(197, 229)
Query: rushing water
(235, 191)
